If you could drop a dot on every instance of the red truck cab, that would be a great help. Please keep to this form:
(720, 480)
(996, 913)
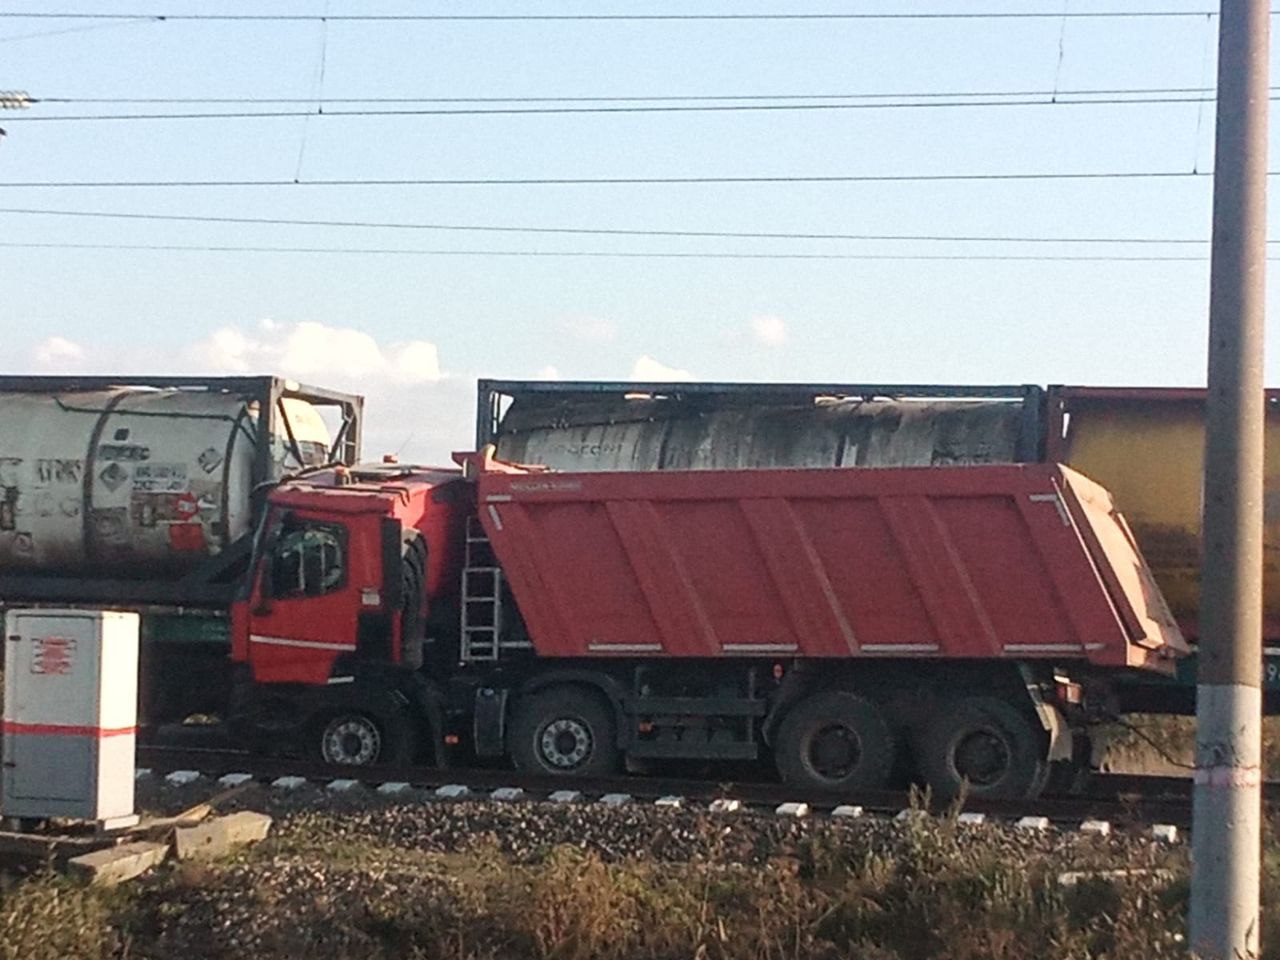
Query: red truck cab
(355, 571)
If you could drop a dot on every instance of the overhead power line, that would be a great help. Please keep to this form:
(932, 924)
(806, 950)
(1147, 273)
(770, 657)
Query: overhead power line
(616, 17)
(1058, 101)
(84, 28)
(606, 254)
(660, 98)
(599, 231)
(618, 181)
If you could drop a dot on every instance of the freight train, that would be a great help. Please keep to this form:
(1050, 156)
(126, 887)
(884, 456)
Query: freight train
(624, 573)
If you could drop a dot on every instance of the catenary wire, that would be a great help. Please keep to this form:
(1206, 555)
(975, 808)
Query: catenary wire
(621, 181)
(318, 88)
(1125, 14)
(678, 255)
(660, 98)
(597, 231)
(663, 108)
(84, 28)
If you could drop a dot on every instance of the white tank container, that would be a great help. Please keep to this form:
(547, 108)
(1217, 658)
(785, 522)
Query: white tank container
(132, 482)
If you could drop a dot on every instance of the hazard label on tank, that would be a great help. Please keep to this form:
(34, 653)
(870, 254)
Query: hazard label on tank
(160, 478)
(113, 475)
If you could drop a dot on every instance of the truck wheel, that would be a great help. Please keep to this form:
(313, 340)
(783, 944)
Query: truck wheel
(985, 741)
(358, 740)
(835, 741)
(564, 730)
(413, 576)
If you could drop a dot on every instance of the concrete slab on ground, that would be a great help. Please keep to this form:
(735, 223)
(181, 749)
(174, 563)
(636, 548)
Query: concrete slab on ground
(220, 836)
(117, 864)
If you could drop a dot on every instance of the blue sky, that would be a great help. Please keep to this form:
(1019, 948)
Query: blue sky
(414, 331)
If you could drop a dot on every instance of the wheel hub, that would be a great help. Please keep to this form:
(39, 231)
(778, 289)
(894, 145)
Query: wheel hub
(565, 743)
(982, 757)
(353, 741)
(834, 751)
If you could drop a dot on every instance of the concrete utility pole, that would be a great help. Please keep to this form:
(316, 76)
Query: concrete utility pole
(1226, 814)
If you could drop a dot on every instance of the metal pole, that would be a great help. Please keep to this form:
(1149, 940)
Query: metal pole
(1226, 814)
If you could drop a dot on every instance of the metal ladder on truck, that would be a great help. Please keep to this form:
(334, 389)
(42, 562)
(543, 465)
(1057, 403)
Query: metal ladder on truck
(482, 597)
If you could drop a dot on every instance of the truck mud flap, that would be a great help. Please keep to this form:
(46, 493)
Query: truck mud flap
(489, 722)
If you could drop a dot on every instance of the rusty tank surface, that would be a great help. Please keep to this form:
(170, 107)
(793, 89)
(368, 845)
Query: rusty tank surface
(638, 427)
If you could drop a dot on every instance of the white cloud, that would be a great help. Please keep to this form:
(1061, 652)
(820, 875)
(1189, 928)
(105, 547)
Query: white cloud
(59, 355)
(648, 369)
(590, 329)
(405, 413)
(227, 349)
(412, 406)
(549, 372)
(416, 362)
(314, 350)
(768, 331)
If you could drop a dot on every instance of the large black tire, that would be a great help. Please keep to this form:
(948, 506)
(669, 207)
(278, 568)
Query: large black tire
(835, 741)
(564, 730)
(997, 748)
(356, 739)
(413, 625)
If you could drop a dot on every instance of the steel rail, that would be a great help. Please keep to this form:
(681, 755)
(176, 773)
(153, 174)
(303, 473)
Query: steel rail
(1124, 801)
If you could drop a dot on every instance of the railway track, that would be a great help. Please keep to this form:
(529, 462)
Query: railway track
(1128, 803)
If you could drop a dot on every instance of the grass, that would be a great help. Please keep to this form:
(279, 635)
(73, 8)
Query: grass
(945, 892)
(49, 917)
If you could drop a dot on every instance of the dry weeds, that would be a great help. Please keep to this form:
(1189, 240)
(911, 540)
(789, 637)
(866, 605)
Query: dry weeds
(938, 890)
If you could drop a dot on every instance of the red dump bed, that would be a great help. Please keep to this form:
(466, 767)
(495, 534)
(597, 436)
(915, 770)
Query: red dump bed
(977, 561)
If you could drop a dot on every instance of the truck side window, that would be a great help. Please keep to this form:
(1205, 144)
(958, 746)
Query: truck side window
(309, 560)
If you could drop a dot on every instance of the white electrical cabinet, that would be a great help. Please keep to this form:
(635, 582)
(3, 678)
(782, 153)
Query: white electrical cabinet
(70, 715)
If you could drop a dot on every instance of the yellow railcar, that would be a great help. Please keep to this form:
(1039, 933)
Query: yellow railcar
(1146, 445)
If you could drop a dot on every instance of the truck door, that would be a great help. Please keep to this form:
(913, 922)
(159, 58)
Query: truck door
(305, 603)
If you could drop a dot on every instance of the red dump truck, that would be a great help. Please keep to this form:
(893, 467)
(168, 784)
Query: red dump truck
(966, 623)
